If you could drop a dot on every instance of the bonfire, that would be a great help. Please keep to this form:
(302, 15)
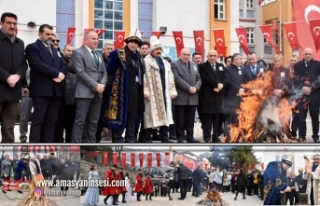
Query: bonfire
(213, 198)
(264, 116)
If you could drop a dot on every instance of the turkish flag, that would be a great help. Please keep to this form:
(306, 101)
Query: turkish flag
(34, 149)
(70, 34)
(141, 159)
(75, 149)
(149, 159)
(119, 39)
(199, 41)
(220, 41)
(99, 32)
(167, 156)
(123, 159)
(315, 29)
(260, 2)
(178, 39)
(243, 39)
(291, 32)
(38, 149)
(304, 11)
(105, 158)
(158, 157)
(267, 33)
(45, 149)
(115, 158)
(133, 159)
(157, 34)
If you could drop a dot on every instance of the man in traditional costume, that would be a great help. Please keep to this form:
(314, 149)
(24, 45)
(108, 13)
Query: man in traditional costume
(111, 190)
(125, 101)
(275, 185)
(138, 187)
(312, 175)
(122, 188)
(159, 89)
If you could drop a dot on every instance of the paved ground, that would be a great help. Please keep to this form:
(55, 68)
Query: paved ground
(197, 133)
(13, 198)
(250, 200)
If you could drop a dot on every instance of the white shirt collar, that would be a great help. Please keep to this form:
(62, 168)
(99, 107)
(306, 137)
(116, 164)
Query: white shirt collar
(90, 50)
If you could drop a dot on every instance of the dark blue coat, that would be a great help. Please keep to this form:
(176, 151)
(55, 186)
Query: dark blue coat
(197, 176)
(43, 68)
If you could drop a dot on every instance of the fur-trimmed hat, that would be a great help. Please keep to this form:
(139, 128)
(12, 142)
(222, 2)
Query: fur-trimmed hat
(287, 160)
(135, 36)
(154, 43)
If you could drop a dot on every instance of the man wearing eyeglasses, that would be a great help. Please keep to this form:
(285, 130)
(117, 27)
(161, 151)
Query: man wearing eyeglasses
(55, 42)
(307, 81)
(13, 67)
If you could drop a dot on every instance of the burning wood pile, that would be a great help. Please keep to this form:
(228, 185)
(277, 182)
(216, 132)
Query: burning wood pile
(265, 111)
(213, 198)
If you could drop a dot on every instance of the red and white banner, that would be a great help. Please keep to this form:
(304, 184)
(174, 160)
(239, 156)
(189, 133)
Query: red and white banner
(220, 41)
(105, 158)
(304, 11)
(141, 155)
(242, 34)
(157, 34)
(178, 39)
(133, 159)
(75, 149)
(99, 32)
(291, 33)
(119, 39)
(158, 157)
(70, 34)
(45, 149)
(123, 159)
(149, 160)
(115, 158)
(167, 157)
(260, 2)
(38, 149)
(268, 35)
(199, 42)
(315, 29)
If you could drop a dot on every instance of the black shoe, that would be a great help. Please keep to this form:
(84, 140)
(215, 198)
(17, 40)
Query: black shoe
(216, 140)
(138, 200)
(20, 191)
(4, 191)
(244, 198)
(114, 203)
(197, 196)
(105, 201)
(166, 141)
(150, 199)
(124, 201)
(170, 198)
(180, 141)
(315, 141)
(180, 198)
(172, 137)
(193, 141)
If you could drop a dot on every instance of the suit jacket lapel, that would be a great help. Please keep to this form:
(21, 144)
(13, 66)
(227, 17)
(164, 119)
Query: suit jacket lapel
(184, 66)
(89, 56)
(44, 48)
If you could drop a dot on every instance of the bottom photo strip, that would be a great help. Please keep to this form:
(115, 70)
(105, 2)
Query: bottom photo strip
(158, 175)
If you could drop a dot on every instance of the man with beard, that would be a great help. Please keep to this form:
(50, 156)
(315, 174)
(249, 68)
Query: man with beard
(47, 70)
(312, 175)
(252, 67)
(159, 89)
(275, 185)
(111, 190)
(101, 130)
(125, 102)
(197, 58)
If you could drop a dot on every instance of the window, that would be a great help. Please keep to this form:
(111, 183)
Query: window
(241, 13)
(240, 3)
(249, 4)
(250, 14)
(219, 9)
(108, 15)
(250, 35)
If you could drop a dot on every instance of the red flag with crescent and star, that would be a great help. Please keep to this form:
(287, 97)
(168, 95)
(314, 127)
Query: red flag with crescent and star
(99, 32)
(141, 155)
(267, 33)
(123, 159)
(119, 39)
(115, 158)
(291, 33)
(243, 39)
(315, 29)
(70, 34)
(199, 42)
(178, 39)
(304, 11)
(157, 34)
(133, 159)
(220, 41)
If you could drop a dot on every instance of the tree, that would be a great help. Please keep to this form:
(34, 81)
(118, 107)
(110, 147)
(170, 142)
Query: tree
(244, 156)
(220, 156)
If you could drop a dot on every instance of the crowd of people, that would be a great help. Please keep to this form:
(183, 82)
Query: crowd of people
(80, 96)
(14, 169)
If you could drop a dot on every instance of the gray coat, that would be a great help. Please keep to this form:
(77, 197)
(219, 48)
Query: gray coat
(89, 75)
(184, 79)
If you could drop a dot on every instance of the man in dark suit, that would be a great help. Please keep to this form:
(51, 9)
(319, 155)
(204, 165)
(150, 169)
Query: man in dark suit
(183, 173)
(188, 83)
(252, 68)
(306, 81)
(211, 99)
(13, 67)
(235, 76)
(90, 84)
(47, 71)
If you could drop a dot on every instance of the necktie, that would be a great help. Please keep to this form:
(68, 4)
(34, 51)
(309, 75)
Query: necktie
(49, 48)
(95, 57)
(253, 69)
(213, 67)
